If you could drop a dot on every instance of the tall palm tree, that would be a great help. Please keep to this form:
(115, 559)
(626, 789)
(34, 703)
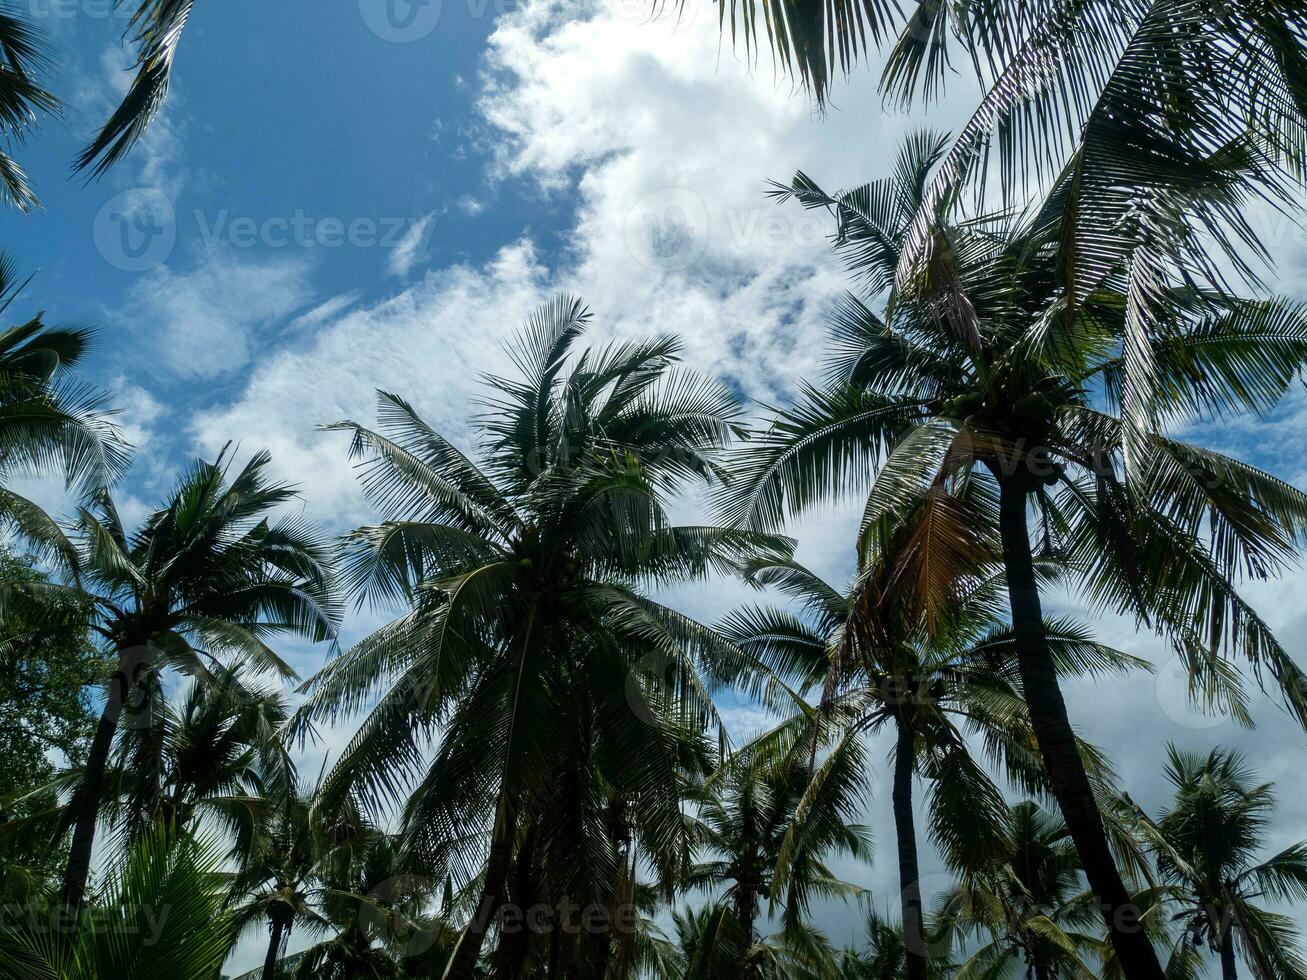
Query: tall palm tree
(760, 836)
(279, 881)
(936, 687)
(49, 422)
(971, 371)
(529, 643)
(199, 588)
(1207, 846)
(1028, 908)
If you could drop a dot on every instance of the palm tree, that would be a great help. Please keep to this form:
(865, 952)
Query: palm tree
(215, 754)
(1207, 845)
(198, 589)
(529, 643)
(915, 647)
(710, 944)
(1028, 908)
(883, 955)
(279, 881)
(760, 835)
(48, 421)
(373, 907)
(971, 371)
(160, 915)
(1029, 902)
(23, 57)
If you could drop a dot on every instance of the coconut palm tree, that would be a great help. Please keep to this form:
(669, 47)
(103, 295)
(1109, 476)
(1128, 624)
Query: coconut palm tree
(279, 881)
(49, 423)
(1025, 909)
(710, 944)
(24, 56)
(373, 909)
(529, 643)
(915, 647)
(159, 915)
(1207, 845)
(883, 954)
(760, 836)
(974, 370)
(199, 588)
(213, 753)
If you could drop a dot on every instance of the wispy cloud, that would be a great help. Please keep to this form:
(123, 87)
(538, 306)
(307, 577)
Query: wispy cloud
(411, 249)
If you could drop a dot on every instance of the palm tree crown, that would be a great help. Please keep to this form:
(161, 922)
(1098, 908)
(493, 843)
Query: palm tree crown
(199, 588)
(530, 645)
(1208, 846)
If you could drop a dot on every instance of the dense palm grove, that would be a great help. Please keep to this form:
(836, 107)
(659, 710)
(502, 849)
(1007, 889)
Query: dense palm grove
(538, 781)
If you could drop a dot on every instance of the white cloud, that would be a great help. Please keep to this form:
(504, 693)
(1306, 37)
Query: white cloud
(326, 311)
(429, 344)
(201, 321)
(685, 161)
(411, 248)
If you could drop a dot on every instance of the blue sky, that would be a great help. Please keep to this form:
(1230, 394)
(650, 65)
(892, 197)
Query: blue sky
(487, 156)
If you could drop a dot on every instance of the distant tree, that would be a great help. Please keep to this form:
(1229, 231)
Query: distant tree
(762, 838)
(47, 716)
(199, 588)
(1208, 845)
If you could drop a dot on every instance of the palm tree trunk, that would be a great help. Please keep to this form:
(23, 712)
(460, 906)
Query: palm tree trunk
(1057, 742)
(276, 937)
(914, 929)
(1229, 967)
(464, 961)
(85, 805)
(555, 941)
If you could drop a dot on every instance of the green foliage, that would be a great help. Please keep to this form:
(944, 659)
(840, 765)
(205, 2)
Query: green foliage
(1208, 845)
(46, 714)
(160, 917)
